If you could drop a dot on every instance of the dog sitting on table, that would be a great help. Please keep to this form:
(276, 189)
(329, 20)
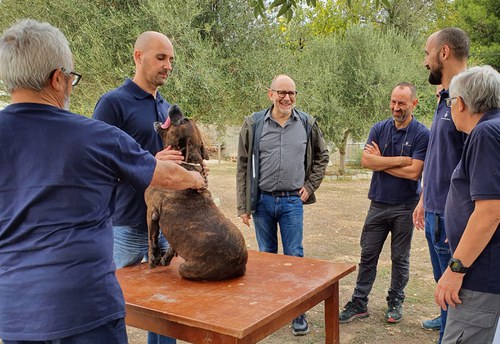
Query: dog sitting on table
(211, 245)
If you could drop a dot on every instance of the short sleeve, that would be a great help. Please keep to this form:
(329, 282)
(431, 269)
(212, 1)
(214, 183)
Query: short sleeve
(136, 165)
(421, 143)
(483, 165)
(374, 134)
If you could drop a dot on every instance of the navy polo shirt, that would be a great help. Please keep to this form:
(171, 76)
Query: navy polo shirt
(58, 173)
(410, 141)
(134, 111)
(444, 151)
(477, 177)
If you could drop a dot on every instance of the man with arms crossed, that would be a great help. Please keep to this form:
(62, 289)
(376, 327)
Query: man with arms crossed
(395, 151)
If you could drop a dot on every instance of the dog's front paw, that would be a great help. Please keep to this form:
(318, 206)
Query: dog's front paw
(154, 261)
(167, 256)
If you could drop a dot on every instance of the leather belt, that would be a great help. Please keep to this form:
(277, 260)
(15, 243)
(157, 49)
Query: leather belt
(282, 193)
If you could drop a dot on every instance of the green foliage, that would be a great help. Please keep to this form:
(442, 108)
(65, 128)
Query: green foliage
(348, 78)
(246, 58)
(102, 35)
(481, 20)
(332, 16)
(287, 8)
(99, 54)
(346, 56)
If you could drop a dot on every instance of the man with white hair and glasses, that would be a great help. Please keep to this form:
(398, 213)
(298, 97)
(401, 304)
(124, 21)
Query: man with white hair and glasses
(471, 283)
(58, 174)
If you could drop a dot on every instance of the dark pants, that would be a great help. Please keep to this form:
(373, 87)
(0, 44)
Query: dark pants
(113, 332)
(381, 220)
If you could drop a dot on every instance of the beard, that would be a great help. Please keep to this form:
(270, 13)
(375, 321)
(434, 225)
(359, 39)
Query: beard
(403, 117)
(66, 98)
(66, 102)
(158, 80)
(284, 112)
(436, 75)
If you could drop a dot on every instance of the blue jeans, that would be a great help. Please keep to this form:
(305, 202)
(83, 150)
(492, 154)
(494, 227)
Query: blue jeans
(130, 248)
(113, 332)
(288, 213)
(440, 252)
(381, 220)
(131, 244)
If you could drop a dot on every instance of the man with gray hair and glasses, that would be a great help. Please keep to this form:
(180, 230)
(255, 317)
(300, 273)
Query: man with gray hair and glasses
(471, 283)
(59, 171)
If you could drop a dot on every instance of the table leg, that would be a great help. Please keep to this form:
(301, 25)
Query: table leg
(332, 329)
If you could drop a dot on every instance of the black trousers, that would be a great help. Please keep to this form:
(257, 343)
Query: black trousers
(381, 220)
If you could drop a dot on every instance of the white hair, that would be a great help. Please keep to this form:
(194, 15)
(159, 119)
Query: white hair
(479, 88)
(29, 52)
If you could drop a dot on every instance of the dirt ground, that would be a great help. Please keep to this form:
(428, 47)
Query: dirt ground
(332, 228)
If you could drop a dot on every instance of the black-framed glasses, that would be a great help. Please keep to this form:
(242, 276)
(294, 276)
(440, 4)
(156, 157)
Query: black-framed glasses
(449, 100)
(76, 76)
(282, 94)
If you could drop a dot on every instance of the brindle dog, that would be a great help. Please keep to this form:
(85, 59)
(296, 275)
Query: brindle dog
(212, 246)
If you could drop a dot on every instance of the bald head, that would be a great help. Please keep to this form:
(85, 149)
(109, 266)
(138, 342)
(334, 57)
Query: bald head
(282, 78)
(148, 38)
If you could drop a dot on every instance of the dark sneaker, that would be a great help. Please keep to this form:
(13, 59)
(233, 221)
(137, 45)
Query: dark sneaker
(300, 326)
(432, 324)
(352, 310)
(394, 313)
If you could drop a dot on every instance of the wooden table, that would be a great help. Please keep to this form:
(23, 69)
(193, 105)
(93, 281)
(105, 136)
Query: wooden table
(275, 290)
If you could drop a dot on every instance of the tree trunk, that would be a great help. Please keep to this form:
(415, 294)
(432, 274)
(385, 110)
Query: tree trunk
(342, 152)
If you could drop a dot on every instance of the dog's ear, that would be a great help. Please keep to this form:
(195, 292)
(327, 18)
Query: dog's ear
(175, 114)
(204, 152)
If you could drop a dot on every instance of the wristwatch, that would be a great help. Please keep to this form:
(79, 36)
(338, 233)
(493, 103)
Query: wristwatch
(457, 266)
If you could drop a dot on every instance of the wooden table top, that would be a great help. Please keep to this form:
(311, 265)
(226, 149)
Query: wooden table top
(272, 285)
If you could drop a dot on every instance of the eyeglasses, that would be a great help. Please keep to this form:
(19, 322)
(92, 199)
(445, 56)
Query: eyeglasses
(448, 101)
(76, 77)
(282, 94)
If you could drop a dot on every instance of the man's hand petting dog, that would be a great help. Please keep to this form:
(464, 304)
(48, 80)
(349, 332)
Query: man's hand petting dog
(200, 181)
(170, 155)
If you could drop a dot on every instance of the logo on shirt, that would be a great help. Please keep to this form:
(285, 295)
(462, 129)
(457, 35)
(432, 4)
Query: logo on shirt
(446, 116)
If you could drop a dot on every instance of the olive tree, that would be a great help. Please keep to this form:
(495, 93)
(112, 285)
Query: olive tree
(348, 79)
